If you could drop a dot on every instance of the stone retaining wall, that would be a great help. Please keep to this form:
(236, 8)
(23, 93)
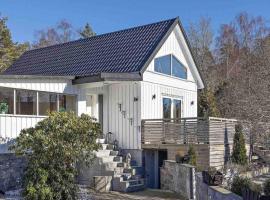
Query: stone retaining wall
(11, 171)
(205, 192)
(179, 178)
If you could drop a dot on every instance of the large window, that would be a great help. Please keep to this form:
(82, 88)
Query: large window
(163, 64)
(67, 103)
(47, 102)
(6, 101)
(26, 102)
(170, 65)
(171, 108)
(29, 102)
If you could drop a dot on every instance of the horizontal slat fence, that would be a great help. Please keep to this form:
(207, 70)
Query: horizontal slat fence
(179, 131)
(218, 133)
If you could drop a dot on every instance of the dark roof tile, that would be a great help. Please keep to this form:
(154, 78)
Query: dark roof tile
(121, 51)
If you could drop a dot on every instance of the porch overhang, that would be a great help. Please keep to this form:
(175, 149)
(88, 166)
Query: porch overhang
(108, 77)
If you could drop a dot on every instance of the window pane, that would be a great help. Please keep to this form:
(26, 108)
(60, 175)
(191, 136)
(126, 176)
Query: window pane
(178, 69)
(167, 107)
(47, 102)
(163, 64)
(176, 108)
(6, 100)
(26, 102)
(67, 103)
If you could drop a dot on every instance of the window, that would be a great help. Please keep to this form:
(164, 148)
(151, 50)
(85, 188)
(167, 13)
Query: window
(26, 102)
(67, 103)
(178, 69)
(6, 101)
(170, 65)
(172, 108)
(176, 108)
(167, 102)
(163, 64)
(47, 102)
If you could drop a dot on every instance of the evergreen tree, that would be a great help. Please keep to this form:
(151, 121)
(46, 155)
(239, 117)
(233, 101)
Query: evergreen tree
(87, 32)
(208, 104)
(9, 51)
(239, 149)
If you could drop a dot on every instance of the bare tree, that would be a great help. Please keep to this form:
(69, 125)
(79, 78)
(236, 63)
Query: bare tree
(61, 33)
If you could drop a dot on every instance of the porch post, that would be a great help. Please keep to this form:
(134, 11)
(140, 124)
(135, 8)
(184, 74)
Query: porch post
(14, 101)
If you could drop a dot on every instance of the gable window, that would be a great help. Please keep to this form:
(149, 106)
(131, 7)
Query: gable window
(163, 65)
(170, 65)
(171, 108)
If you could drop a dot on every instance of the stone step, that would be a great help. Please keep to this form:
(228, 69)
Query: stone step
(102, 153)
(122, 164)
(104, 146)
(106, 159)
(100, 141)
(110, 147)
(135, 188)
(127, 186)
(118, 159)
(114, 153)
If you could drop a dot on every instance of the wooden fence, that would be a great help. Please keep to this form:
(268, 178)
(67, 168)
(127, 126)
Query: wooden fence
(179, 131)
(217, 133)
(189, 131)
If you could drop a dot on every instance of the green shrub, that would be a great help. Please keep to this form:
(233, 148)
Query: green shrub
(266, 187)
(192, 156)
(239, 183)
(239, 149)
(53, 148)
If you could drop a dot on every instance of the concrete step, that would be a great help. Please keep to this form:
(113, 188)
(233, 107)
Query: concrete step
(135, 188)
(114, 153)
(104, 146)
(102, 153)
(128, 185)
(110, 147)
(118, 159)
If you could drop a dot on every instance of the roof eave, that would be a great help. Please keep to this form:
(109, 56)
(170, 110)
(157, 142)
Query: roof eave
(133, 76)
(7, 76)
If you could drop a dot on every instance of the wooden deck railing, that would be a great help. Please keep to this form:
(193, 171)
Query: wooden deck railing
(188, 130)
(180, 131)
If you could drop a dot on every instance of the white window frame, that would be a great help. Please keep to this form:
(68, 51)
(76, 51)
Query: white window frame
(172, 98)
(170, 75)
(37, 93)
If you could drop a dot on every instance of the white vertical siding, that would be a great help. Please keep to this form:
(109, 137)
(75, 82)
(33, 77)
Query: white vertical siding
(152, 107)
(125, 126)
(11, 125)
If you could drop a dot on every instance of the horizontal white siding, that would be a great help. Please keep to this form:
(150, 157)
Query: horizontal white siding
(11, 125)
(48, 85)
(125, 127)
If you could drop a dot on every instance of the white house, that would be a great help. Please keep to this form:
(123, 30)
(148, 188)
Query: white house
(120, 78)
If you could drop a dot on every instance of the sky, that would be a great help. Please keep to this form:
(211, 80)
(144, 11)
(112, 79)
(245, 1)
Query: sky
(25, 17)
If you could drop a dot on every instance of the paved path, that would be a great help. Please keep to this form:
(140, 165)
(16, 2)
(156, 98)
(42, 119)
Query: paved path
(88, 194)
(143, 195)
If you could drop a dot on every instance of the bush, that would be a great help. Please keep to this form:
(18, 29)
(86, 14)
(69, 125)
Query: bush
(53, 148)
(239, 149)
(240, 183)
(266, 187)
(192, 156)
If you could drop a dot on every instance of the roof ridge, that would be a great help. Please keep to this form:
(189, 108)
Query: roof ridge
(104, 34)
